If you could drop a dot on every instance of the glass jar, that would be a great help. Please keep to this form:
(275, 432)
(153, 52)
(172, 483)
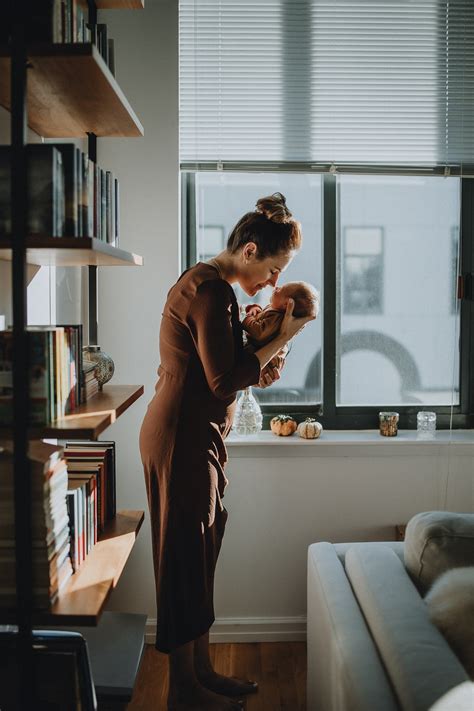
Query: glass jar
(248, 415)
(388, 424)
(425, 425)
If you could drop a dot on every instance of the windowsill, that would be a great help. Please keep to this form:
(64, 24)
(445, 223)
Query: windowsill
(351, 437)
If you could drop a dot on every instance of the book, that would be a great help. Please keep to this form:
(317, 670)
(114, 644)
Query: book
(69, 157)
(55, 367)
(89, 481)
(46, 190)
(103, 206)
(51, 564)
(79, 191)
(117, 211)
(111, 56)
(49, 21)
(102, 41)
(110, 477)
(109, 185)
(92, 461)
(77, 487)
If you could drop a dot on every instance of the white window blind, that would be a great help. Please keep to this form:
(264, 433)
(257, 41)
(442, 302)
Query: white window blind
(314, 82)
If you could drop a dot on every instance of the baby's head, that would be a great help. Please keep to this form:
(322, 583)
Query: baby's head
(305, 296)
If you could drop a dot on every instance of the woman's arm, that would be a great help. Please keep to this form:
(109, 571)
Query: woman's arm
(227, 367)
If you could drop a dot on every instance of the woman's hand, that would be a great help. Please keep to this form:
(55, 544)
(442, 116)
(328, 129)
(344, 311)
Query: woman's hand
(272, 370)
(268, 375)
(291, 326)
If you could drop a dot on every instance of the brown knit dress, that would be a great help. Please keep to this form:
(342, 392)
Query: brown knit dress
(203, 365)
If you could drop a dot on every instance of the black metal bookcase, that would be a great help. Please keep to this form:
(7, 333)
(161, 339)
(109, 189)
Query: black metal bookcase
(21, 641)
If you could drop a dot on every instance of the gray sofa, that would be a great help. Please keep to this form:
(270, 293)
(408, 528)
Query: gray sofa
(371, 644)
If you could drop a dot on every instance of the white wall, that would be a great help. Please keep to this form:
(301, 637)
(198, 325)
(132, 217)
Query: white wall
(131, 299)
(280, 499)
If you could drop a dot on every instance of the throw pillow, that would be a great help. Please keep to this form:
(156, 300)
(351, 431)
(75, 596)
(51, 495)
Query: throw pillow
(450, 604)
(436, 541)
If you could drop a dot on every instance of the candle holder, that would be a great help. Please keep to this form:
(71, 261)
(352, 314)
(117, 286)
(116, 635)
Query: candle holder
(388, 424)
(426, 425)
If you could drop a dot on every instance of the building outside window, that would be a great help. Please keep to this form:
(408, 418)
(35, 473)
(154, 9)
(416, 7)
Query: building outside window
(362, 270)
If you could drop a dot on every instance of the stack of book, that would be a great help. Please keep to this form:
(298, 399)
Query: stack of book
(55, 368)
(91, 493)
(59, 22)
(50, 525)
(68, 194)
(104, 45)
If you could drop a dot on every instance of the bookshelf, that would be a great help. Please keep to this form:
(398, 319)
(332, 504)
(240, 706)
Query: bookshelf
(89, 420)
(71, 92)
(83, 598)
(71, 252)
(120, 4)
(61, 91)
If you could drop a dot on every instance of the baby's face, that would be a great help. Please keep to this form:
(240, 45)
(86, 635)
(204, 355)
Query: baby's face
(279, 298)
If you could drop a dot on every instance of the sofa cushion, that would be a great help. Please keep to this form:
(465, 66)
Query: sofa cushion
(344, 668)
(418, 660)
(436, 541)
(342, 548)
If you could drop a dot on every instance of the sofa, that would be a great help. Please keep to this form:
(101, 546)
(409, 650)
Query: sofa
(371, 644)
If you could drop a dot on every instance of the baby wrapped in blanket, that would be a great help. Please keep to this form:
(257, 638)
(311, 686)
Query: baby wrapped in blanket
(262, 325)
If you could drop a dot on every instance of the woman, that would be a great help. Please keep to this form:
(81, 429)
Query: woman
(203, 365)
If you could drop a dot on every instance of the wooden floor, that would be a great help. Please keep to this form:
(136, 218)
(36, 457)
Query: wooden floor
(279, 668)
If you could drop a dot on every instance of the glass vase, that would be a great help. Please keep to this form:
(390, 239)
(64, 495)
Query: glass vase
(248, 415)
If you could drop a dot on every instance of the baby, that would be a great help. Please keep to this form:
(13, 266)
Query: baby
(262, 325)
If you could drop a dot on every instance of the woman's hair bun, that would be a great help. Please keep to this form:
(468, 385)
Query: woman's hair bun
(274, 208)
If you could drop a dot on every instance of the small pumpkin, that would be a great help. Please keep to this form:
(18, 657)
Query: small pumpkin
(283, 425)
(309, 429)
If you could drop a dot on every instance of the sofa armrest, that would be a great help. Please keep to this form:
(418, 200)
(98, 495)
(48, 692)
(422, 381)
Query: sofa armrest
(418, 660)
(344, 668)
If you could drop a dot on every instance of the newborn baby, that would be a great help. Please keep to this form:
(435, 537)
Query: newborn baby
(262, 325)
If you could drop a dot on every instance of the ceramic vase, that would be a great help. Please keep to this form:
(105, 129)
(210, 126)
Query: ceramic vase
(104, 364)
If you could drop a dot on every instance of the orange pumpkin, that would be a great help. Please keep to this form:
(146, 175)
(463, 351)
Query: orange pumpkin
(283, 425)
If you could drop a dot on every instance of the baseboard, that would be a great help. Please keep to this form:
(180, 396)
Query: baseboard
(248, 629)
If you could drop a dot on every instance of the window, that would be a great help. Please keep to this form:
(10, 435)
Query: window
(360, 114)
(222, 200)
(404, 351)
(397, 336)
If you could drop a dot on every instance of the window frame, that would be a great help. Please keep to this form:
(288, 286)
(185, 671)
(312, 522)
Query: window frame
(351, 417)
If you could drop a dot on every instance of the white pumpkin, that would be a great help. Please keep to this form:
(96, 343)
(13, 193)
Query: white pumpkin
(309, 429)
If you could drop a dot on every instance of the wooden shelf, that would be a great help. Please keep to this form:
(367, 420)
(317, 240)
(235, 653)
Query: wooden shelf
(71, 92)
(72, 252)
(83, 598)
(120, 4)
(90, 419)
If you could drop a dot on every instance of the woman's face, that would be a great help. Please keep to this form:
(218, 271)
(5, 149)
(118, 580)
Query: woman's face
(256, 274)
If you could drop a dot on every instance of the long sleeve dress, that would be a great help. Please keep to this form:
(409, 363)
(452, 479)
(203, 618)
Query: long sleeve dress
(203, 365)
